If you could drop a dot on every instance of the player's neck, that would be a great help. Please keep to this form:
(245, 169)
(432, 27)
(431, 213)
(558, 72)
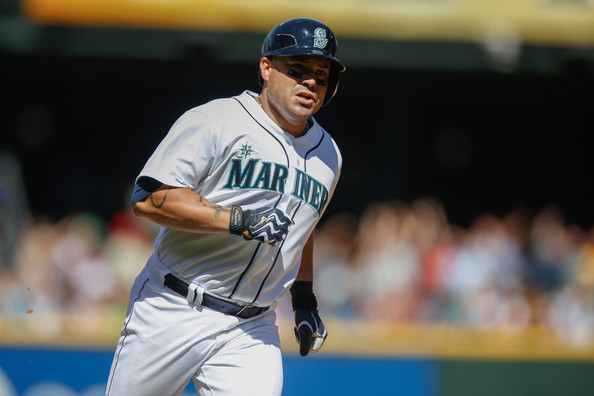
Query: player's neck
(297, 128)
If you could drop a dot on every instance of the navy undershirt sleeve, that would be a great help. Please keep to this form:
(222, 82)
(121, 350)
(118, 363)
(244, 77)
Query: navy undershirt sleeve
(144, 186)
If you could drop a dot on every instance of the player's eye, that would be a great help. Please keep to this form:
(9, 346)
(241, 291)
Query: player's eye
(298, 71)
(322, 72)
(322, 82)
(295, 73)
(322, 77)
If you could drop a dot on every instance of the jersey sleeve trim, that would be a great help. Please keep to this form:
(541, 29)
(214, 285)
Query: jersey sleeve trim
(144, 187)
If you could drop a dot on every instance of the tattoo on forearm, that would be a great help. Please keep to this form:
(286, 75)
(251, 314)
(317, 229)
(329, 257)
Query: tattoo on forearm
(159, 206)
(217, 208)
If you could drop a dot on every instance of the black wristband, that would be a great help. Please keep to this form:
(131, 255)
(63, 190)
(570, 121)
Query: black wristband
(237, 221)
(302, 296)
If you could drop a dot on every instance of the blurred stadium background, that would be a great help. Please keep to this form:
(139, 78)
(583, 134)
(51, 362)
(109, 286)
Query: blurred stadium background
(457, 256)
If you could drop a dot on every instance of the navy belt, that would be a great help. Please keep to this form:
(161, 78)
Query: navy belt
(181, 287)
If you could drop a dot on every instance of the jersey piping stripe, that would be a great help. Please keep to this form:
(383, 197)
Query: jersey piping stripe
(312, 149)
(292, 217)
(275, 259)
(245, 271)
(117, 357)
(251, 263)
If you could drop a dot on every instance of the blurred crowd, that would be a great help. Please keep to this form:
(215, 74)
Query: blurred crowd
(394, 262)
(76, 272)
(406, 262)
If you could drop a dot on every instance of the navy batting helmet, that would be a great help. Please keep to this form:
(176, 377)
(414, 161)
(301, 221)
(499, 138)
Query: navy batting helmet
(302, 36)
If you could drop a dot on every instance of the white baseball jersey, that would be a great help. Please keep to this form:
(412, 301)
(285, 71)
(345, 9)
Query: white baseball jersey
(230, 152)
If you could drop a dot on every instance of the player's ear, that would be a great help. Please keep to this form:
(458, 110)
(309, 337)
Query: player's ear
(265, 67)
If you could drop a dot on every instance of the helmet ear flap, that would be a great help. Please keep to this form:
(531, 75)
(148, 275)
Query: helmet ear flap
(332, 84)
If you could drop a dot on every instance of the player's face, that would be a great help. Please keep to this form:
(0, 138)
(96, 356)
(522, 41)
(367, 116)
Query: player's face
(296, 86)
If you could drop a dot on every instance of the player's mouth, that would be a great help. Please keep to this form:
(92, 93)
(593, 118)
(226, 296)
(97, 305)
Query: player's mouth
(306, 98)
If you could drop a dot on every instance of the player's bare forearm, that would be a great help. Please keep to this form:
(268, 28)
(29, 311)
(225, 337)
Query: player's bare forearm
(306, 268)
(183, 209)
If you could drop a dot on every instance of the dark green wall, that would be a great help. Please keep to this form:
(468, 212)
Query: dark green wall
(516, 378)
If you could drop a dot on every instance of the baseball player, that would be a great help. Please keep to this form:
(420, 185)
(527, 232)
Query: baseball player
(238, 186)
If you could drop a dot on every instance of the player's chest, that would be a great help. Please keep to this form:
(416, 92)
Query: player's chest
(299, 172)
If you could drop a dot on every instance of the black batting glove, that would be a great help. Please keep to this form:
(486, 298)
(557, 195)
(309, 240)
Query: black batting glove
(310, 331)
(266, 225)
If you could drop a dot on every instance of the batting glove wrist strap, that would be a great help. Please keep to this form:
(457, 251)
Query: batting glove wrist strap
(266, 225)
(302, 296)
(238, 222)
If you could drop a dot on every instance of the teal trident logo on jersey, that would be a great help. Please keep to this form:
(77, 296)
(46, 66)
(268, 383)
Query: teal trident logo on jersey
(259, 175)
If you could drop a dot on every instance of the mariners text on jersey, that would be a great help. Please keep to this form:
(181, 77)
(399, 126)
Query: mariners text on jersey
(273, 177)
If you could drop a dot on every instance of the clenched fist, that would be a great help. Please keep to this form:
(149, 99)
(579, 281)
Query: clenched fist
(266, 225)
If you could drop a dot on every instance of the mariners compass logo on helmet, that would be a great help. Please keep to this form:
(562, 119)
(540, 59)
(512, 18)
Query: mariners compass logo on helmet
(320, 39)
